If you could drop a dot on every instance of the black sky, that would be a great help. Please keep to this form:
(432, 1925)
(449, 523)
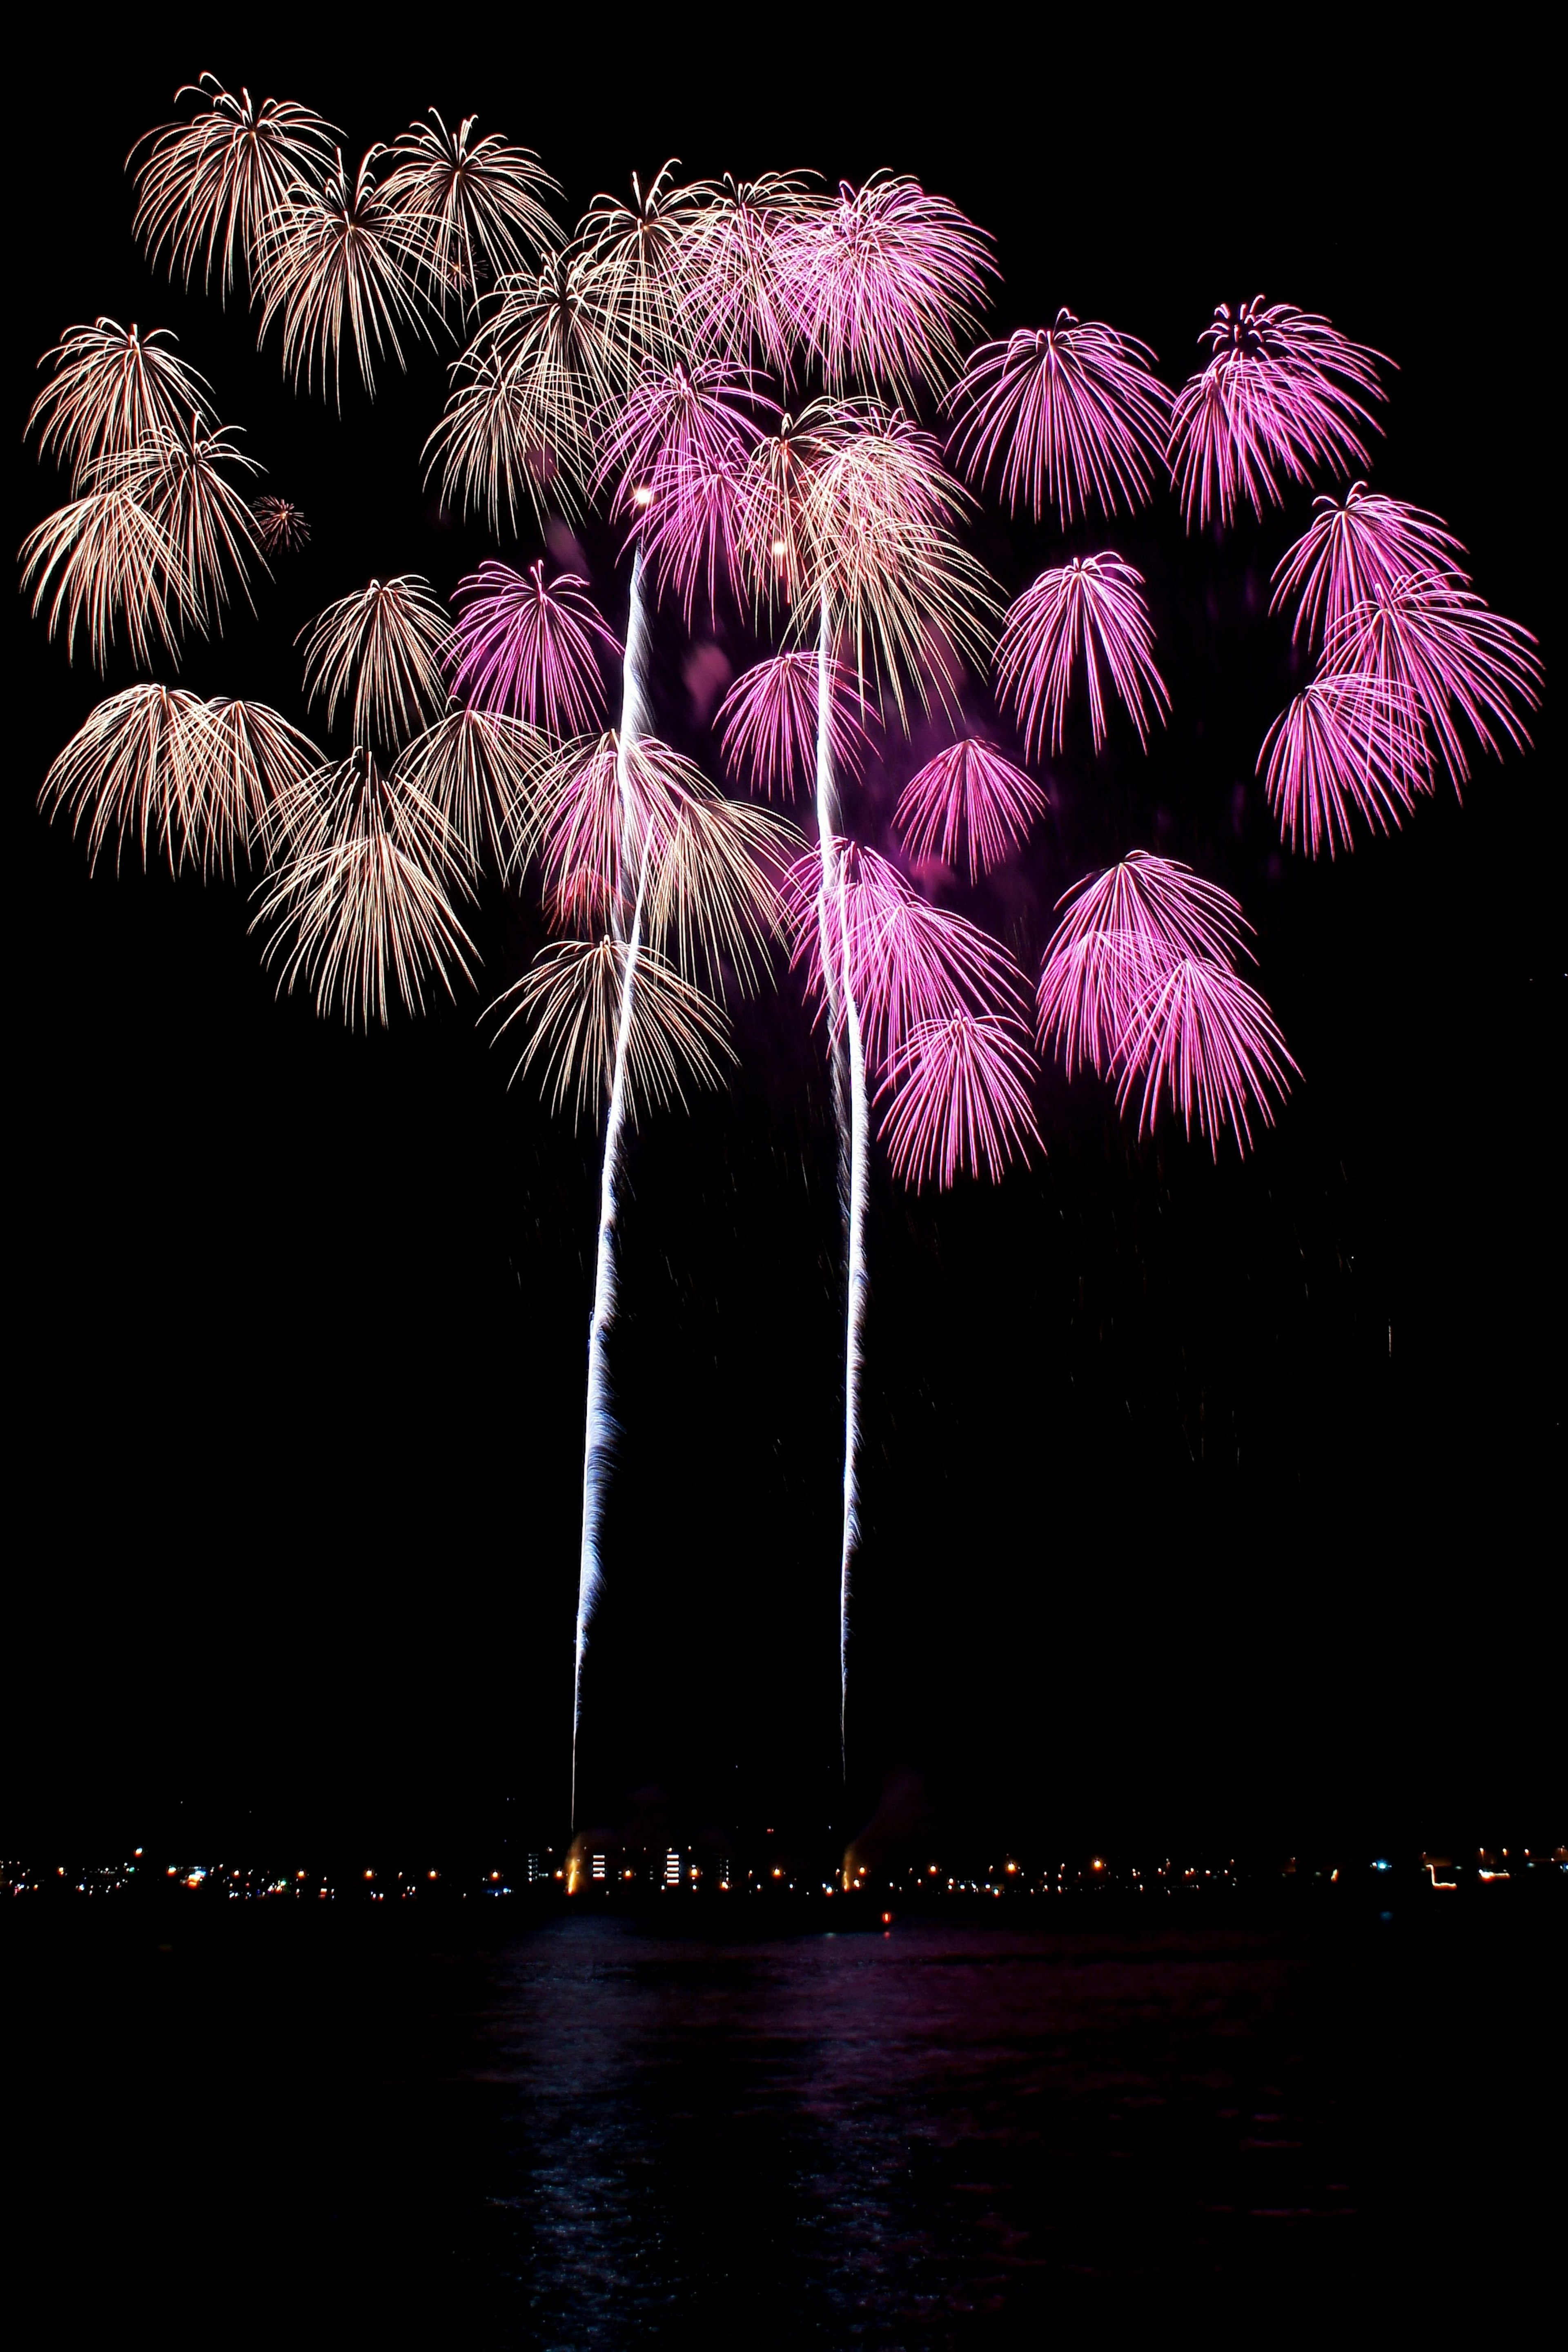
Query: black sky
(1202, 1502)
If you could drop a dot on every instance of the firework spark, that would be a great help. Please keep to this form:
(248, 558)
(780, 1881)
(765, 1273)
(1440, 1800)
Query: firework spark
(740, 301)
(217, 181)
(1282, 388)
(386, 646)
(473, 206)
(901, 588)
(359, 894)
(339, 254)
(1341, 746)
(476, 768)
(518, 425)
(530, 647)
(572, 997)
(1351, 547)
(281, 526)
(969, 789)
(113, 390)
(1069, 412)
(887, 280)
(1205, 1038)
(1431, 643)
(769, 721)
(961, 1098)
(103, 564)
(639, 258)
(197, 780)
(1094, 601)
(1124, 930)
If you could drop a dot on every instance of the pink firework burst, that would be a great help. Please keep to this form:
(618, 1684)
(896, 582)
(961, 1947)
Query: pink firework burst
(885, 280)
(1354, 545)
(1123, 931)
(1069, 413)
(1344, 743)
(1432, 645)
(742, 296)
(908, 960)
(529, 648)
(960, 1093)
(694, 530)
(281, 526)
(1094, 607)
(1205, 1038)
(1282, 388)
(768, 720)
(969, 789)
(698, 413)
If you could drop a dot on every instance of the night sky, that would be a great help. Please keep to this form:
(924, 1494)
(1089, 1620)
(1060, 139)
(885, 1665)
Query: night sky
(1202, 1503)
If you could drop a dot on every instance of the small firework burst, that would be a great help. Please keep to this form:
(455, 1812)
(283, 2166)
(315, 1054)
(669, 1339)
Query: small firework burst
(1092, 608)
(383, 648)
(1069, 413)
(769, 721)
(473, 206)
(959, 1091)
(112, 391)
(210, 187)
(885, 282)
(969, 789)
(282, 528)
(1283, 389)
(531, 646)
(338, 259)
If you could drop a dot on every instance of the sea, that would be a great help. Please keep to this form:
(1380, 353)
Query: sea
(602, 2130)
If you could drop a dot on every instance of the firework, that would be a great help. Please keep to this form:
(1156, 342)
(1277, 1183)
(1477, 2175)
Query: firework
(476, 768)
(1205, 1038)
(198, 780)
(639, 258)
(281, 527)
(1124, 930)
(1351, 547)
(769, 719)
(336, 255)
(518, 421)
(961, 1098)
(1344, 743)
(1281, 389)
(103, 564)
(634, 824)
(572, 998)
(887, 280)
(528, 646)
(386, 646)
(203, 516)
(775, 529)
(1069, 412)
(473, 206)
(900, 587)
(741, 272)
(1094, 601)
(112, 391)
(358, 898)
(676, 418)
(216, 180)
(969, 789)
(1431, 645)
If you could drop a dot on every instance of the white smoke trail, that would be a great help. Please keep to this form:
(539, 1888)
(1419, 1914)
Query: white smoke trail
(847, 1049)
(600, 1429)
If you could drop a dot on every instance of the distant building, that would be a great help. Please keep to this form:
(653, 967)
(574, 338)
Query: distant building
(597, 1865)
(672, 1868)
(538, 1868)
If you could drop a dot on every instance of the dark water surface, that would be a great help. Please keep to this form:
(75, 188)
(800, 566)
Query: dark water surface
(598, 2134)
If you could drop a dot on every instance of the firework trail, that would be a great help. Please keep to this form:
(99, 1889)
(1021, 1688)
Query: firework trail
(600, 1430)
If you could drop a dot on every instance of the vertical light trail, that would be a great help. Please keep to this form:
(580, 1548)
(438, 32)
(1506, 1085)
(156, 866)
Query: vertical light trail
(599, 1424)
(846, 1053)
